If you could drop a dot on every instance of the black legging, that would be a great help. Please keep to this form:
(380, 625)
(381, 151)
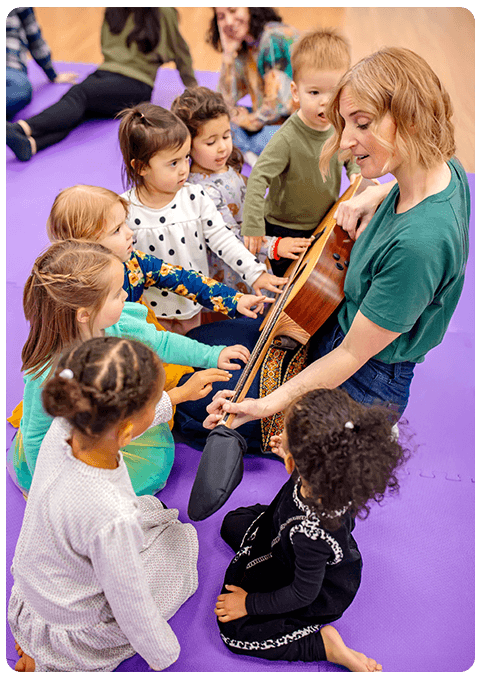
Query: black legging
(101, 95)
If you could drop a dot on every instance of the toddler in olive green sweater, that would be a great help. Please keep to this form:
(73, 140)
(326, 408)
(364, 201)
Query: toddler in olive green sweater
(298, 198)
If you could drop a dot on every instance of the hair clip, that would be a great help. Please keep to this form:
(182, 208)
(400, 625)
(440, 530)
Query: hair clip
(66, 374)
(349, 424)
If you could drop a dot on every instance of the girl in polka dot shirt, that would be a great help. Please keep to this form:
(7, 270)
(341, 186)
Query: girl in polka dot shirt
(172, 219)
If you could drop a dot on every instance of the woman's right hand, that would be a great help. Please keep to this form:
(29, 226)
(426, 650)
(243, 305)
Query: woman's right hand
(230, 46)
(247, 410)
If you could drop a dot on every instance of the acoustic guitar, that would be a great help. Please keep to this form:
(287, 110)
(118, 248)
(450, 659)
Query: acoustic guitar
(313, 292)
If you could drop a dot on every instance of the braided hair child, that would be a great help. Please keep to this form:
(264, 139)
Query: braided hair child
(297, 567)
(97, 570)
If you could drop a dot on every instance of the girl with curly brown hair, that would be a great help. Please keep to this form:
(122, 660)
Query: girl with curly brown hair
(297, 567)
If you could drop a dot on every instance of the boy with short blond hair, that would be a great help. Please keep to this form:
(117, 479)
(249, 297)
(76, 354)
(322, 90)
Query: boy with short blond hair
(298, 197)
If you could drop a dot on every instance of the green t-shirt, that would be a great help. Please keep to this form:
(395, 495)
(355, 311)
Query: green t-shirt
(406, 271)
(298, 197)
(129, 61)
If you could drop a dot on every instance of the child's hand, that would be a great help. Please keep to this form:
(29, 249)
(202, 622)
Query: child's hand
(253, 243)
(198, 386)
(290, 248)
(276, 445)
(249, 301)
(229, 353)
(267, 281)
(231, 605)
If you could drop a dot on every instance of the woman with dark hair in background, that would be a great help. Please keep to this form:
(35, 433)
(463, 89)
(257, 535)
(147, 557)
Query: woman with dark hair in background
(135, 42)
(255, 47)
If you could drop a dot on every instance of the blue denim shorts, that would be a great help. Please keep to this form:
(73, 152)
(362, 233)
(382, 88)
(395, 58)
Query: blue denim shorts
(376, 383)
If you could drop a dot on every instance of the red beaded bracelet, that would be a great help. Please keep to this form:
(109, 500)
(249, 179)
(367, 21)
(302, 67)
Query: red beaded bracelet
(275, 249)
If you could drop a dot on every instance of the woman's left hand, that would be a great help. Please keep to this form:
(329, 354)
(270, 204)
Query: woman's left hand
(355, 214)
(248, 302)
(231, 605)
(267, 281)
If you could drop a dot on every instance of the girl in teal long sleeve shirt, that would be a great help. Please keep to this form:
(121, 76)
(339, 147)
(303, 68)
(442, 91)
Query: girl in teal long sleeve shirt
(75, 291)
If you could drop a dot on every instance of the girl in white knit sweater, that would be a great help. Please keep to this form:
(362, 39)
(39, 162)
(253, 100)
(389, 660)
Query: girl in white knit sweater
(98, 571)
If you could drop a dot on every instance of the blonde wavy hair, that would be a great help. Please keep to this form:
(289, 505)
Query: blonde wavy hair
(397, 81)
(80, 212)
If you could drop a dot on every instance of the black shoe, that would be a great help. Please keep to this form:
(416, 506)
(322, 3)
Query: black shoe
(18, 141)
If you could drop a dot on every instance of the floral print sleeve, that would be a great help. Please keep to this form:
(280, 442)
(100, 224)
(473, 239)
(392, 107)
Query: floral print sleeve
(143, 271)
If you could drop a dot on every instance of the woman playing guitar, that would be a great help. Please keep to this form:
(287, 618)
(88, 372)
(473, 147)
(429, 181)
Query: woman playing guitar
(406, 271)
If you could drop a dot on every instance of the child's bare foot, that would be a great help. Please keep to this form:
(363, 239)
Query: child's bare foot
(25, 663)
(338, 653)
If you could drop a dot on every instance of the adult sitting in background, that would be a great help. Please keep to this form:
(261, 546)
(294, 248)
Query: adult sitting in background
(255, 47)
(23, 36)
(135, 42)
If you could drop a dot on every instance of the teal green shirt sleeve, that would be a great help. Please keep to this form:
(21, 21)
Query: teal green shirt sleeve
(35, 421)
(170, 347)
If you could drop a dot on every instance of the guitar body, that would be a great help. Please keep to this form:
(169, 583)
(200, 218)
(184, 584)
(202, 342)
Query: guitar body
(313, 292)
(318, 286)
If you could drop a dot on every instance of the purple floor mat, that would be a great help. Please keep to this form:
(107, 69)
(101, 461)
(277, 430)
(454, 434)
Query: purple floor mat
(414, 610)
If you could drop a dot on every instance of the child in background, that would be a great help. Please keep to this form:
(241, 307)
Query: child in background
(216, 167)
(298, 197)
(174, 220)
(297, 566)
(98, 571)
(75, 292)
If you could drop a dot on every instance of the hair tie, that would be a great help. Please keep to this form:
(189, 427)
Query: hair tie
(349, 424)
(66, 374)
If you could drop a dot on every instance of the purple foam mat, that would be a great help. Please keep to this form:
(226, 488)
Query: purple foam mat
(414, 610)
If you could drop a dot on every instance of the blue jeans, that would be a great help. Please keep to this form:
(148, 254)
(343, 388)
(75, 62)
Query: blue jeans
(19, 91)
(252, 141)
(376, 383)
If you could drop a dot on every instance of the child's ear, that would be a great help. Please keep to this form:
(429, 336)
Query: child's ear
(289, 463)
(138, 166)
(294, 92)
(83, 315)
(125, 433)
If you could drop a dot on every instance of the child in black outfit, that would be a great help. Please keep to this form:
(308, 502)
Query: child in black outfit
(297, 566)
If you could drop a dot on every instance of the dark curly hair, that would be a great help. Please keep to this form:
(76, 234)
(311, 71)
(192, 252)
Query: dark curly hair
(112, 379)
(345, 466)
(198, 105)
(259, 16)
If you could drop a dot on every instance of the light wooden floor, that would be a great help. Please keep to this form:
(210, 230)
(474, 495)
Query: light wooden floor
(444, 36)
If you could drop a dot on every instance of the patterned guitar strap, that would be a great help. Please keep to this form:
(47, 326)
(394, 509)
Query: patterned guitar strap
(284, 359)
